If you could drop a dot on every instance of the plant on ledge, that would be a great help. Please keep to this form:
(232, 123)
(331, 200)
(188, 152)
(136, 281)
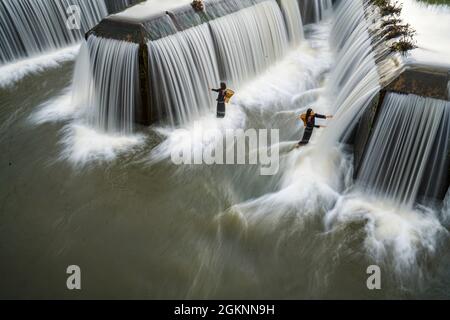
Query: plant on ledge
(392, 27)
(198, 5)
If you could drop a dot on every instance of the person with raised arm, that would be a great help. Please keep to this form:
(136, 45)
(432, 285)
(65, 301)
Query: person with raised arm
(309, 121)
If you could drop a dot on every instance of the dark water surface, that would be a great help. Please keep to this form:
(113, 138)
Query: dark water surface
(141, 230)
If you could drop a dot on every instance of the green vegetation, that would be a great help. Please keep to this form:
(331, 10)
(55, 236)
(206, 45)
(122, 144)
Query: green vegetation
(392, 27)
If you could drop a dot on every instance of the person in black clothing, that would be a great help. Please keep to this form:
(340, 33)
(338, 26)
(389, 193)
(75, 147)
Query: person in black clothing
(309, 121)
(221, 100)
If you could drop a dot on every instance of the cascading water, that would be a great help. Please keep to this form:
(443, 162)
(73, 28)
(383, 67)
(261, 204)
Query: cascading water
(160, 27)
(314, 11)
(220, 8)
(249, 41)
(307, 232)
(432, 32)
(362, 65)
(29, 28)
(232, 48)
(117, 5)
(408, 150)
(293, 18)
(106, 83)
(183, 67)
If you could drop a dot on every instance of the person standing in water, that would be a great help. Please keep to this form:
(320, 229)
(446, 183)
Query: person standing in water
(221, 100)
(309, 121)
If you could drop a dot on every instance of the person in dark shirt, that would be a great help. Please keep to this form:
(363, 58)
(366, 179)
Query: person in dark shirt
(309, 121)
(221, 100)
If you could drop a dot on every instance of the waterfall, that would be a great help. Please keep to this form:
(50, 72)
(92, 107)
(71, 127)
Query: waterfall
(362, 65)
(408, 151)
(32, 27)
(160, 27)
(293, 18)
(249, 41)
(234, 41)
(411, 132)
(184, 65)
(117, 5)
(314, 11)
(182, 68)
(106, 83)
(219, 8)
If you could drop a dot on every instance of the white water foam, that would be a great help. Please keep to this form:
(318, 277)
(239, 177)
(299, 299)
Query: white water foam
(318, 182)
(315, 181)
(83, 145)
(55, 110)
(270, 92)
(14, 72)
(392, 232)
(432, 23)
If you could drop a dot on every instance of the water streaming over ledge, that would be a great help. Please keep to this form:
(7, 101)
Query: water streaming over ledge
(249, 41)
(293, 18)
(183, 65)
(107, 77)
(29, 28)
(231, 233)
(363, 65)
(408, 150)
(314, 11)
(183, 68)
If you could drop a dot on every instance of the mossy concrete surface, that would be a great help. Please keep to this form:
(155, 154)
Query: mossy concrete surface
(422, 81)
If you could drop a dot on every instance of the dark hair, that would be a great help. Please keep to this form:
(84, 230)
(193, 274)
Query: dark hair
(308, 113)
(223, 85)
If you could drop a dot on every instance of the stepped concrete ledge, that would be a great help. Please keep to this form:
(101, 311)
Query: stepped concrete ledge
(151, 21)
(424, 81)
(421, 80)
(135, 24)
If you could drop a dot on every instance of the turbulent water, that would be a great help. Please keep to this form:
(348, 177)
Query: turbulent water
(183, 67)
(233, 48)
(113, 91)
(115, 205)
(40, 34)
(32, 27)
(408, 149)
(434, 46)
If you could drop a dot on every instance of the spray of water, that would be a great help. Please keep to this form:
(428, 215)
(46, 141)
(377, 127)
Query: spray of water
(432, 29)
(314, 190)
(107, 84)
(29, 28)
(363, 64)
(36, 36)
(408, 148)
(183, 68)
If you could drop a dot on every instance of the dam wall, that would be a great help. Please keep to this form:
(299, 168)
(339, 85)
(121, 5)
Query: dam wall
(393, 113)
(32, 28)
(427, 82)
(261, 29)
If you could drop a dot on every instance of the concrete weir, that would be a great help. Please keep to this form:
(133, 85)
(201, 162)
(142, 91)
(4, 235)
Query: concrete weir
(418, 80)
(145, 22)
